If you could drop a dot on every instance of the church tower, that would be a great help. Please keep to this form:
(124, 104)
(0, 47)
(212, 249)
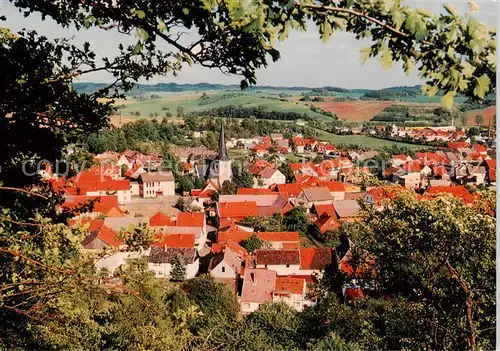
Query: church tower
(224, 162)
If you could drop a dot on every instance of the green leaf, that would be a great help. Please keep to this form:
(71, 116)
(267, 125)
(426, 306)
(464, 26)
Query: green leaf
(139, 13)
(432, 91)
(137, 49)
(142, 34)
(482, 86)
(451, 10)
(385, 57)
(462, 83)
(452, 33)
(468, 69)
(447, 99)
(365, 53)
(162, 26)
(416, 25)
(326, 32)
(398, 18)
(185, 10)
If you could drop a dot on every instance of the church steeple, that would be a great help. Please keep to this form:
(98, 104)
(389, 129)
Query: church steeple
(222, 156)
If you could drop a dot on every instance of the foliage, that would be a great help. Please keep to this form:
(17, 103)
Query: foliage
(259, 112)
(265, 224)
(252, 243)
(241, 177)
(228, 188)
(179, 268)
(287, 171)
(295, 220)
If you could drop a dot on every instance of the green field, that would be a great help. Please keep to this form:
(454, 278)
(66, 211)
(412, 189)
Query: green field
(191, 101)
(364, 141)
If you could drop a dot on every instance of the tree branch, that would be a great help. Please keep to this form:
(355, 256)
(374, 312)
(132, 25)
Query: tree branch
(23, 191)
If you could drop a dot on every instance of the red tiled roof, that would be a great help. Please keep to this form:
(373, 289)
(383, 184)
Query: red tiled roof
(326, 222)
(439, 170)
(94, 224)
(293, 189)
(457, 145)
(381, 193)
(279, 236)
(315, 257)
(160, 219)
(480, 148)
(255, 191)
(234, 236)
(491, 163)
(354, 293)
(108, 236)
(412, 166)
(94, 182)
(321, 209)
(285, 285)
(174, 240)
(238, 209)
(492, 174)
(277, 257)
(188, 219)
(102, 204)
(455, 190)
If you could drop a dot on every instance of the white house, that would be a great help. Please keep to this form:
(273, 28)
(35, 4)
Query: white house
(226, 265)
(160, 261)
(258, 287)
(292, 291)
(283, 262)
(269, 176)
(153, 184)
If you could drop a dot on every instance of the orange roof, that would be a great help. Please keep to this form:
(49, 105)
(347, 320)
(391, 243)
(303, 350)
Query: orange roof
(491, 163)
(190, 219)
(439, 170)
(315, 257)
(401, 157)
(293, 189)
(492, 174)
(457, 145)
(238, 209)
(108, 236)
(285, 285)
(326, 222)
(413, 166)
(333, 186)
(354, 293)
(455, 190)
(258, 166)
(94, 224)
(102, 204)
(174, 240)
(94, 182)
(381, 193)
(232, 245)
(480, 148)
(255, 191)
(321, 209)
(234, 236)
(279, 236)
(160, 219)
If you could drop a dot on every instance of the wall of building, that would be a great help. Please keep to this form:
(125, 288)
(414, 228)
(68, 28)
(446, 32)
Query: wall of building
(162, 270)
(293, 269)
(223, 270)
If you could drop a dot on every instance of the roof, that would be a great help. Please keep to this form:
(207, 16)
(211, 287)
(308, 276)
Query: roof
(222, 154)
(255, 191)
(166, 255)
(238, 209)
(289, 285)
(232, 259)
(315, 257)
(293, 189)
(380, 193)
(326, 222)
(258, 285)
(106, 234)
(492, 174)
(102, 204)
(190, 219)
(277, 257)
(260, 200)
(268, 172)
(455, 190)
(333, 186)
(279, 236)
(234, 236)
(93, 181)
(317, 194)
(328, 209)
(480, 148)
(174, 240)
(457, 145)
(157, 176)
(160, 219)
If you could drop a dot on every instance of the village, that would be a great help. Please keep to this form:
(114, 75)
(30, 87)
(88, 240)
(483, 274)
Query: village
(207, 231)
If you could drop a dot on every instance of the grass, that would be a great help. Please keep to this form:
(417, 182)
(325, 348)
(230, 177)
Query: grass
(364, 141)
(168, 102)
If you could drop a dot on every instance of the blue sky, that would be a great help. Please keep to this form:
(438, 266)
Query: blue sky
(306, 60)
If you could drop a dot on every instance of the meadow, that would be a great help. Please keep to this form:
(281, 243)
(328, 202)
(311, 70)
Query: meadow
(364, 141)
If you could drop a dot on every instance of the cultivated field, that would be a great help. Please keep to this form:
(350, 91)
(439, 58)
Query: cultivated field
(487, 113)
(364, 141)
(355, 111)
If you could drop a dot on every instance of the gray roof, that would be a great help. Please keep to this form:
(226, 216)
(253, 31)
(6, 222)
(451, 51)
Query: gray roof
(157, 177)
(317, 194)
(222, 155)
(230, 258)
(166, 255)
(346, 208)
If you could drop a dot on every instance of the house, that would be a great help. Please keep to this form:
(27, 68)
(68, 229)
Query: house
(326, 222)
(154, 184)
(337, 189)
(112, 263)
(227, 265)
(314, 260)
(237, 211)
(456, 190)
(347, 211)
(312, 196)
(269, 176)
(283, 262)
(194, 221)
(160, 261)
(321, 209)
(292, 291)
(174, 240)
(410, 180)
(280, 240)
(91, 183)
(102, 206)
(378, 194)
(206, 194)
(160, 219)
(102, 237)
(258, 287)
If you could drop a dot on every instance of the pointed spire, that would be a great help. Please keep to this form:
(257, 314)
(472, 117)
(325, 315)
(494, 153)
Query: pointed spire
(222, 145)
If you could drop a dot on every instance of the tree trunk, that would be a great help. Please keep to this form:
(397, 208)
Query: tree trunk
(468, 304)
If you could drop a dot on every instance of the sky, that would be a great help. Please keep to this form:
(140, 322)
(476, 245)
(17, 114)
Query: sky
(305, 59)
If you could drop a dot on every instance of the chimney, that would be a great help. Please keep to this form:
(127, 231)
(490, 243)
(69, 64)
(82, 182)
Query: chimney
(252, 277)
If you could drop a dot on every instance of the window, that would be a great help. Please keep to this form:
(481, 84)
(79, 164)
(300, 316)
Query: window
(287, 266)
(296, 304)
(157, 264)
(223, 269)
(265, 265)
(246, 306)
